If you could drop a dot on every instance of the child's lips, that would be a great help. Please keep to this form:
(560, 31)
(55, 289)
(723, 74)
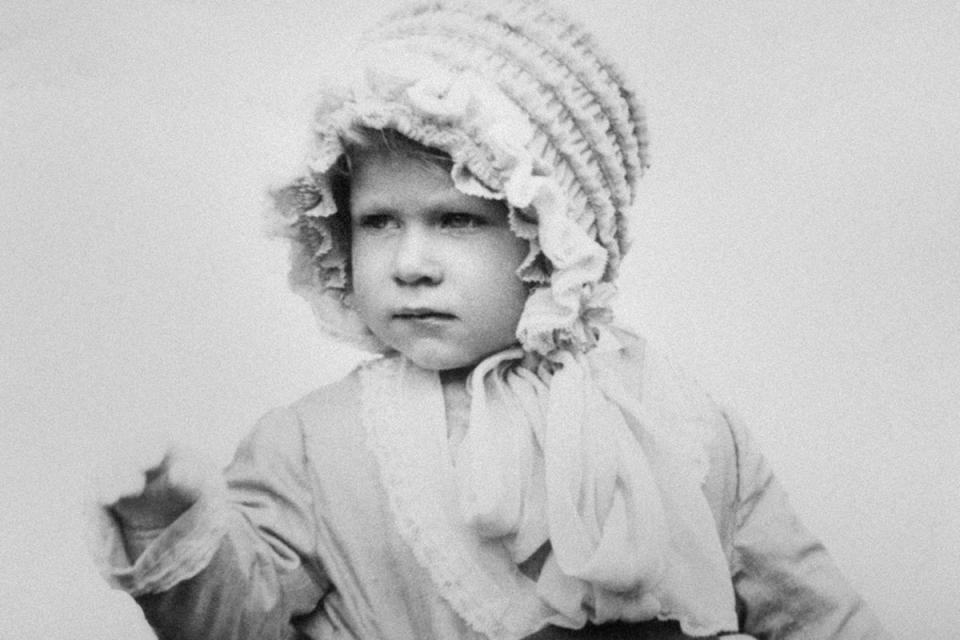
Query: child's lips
(417, 312)
(423, 315)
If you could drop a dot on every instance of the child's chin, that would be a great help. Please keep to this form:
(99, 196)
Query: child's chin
(441, 359)
(435, 363)
(449, 355)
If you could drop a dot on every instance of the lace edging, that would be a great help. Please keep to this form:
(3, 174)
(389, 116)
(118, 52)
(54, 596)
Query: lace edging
(493, 609)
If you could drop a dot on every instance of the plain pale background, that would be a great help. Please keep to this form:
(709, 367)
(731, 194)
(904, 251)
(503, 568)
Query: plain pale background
(797, 247)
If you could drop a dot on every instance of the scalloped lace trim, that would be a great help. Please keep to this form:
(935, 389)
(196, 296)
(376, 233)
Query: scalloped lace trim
(403, 414)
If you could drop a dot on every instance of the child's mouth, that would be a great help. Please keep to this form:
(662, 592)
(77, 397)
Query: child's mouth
(423, 314)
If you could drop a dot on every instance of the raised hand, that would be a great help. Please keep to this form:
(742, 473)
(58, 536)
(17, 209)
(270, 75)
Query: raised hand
(149, 489)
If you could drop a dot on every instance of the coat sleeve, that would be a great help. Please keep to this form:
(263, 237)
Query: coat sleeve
(787, 586)
(241, 563)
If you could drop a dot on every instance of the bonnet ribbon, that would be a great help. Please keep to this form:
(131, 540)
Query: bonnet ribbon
(564, 454)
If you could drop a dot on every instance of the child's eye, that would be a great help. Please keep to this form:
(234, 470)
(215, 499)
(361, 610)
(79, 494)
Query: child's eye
(376, 222)
(456, 220)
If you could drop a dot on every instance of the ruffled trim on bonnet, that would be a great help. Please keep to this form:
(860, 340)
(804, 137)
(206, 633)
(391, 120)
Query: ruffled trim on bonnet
(555, 136)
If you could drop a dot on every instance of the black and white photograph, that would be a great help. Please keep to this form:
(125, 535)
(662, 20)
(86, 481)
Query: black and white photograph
(479, 319)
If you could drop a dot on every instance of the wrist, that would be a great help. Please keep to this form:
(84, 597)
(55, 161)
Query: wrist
(136, 515)
(140, 531)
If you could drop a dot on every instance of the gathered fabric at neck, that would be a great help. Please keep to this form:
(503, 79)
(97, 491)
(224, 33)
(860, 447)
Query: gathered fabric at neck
(566, 454)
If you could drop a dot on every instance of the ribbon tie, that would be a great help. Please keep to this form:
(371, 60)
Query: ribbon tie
(563, 453)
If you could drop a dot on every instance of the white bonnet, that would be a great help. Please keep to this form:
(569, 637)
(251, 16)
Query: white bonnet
(530, 111)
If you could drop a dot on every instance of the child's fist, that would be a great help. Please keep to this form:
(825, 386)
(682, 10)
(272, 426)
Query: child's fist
(150, 488)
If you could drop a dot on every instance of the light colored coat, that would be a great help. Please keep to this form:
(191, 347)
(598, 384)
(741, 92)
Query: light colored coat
(303, 543)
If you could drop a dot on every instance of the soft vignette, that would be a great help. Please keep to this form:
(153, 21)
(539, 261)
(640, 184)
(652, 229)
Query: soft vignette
(797, 247)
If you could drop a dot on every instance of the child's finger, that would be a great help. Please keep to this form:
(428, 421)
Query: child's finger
(114, 483)
(126, 472)
(187, 473)
(149, 451)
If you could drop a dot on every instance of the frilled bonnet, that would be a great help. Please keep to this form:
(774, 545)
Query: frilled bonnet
(530, 112)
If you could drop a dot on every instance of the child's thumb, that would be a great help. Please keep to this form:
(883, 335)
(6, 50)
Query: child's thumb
(126, 472)
(187, 474)
(166, 490)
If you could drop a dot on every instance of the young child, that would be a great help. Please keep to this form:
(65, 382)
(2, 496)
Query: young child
(514, 465)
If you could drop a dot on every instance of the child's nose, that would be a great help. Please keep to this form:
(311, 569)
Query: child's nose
(414, 262)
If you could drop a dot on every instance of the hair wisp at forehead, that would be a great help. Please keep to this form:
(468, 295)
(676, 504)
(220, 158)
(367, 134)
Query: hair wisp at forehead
(360, 140)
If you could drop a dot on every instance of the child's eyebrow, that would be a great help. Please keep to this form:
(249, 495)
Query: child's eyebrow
(375, 203)
(372, 206)
(440, 202)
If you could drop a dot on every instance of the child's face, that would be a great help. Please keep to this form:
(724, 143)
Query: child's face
(433, 269)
